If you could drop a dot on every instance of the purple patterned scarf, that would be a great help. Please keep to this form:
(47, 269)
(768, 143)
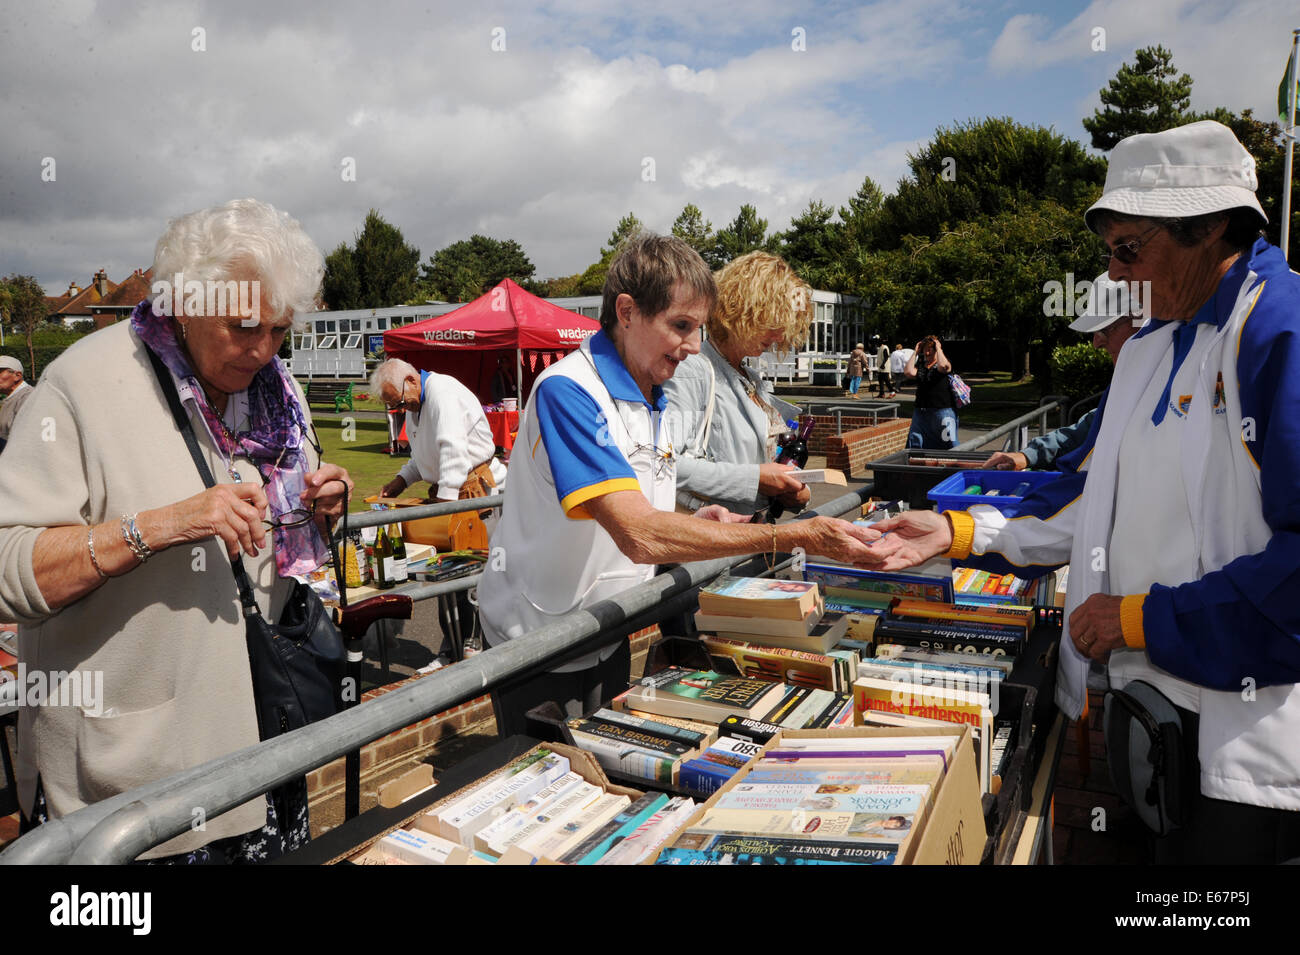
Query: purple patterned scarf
(274, 442)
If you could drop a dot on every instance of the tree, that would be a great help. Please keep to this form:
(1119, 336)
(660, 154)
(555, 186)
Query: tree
(341, 287)
(858, 218)
(809, 245)
(378, 271)
(982, 279)
(746, 233)
(386, 266)
(1147, 97)
(627, 227)
(22, 301)
(1264, 141)
(466, 269)
(692, 228)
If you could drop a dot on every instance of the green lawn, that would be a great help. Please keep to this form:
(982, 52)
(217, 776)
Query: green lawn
(363, 456)
(997, 399)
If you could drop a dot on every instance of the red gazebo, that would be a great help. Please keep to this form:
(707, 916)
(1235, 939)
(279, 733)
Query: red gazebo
(504, 323)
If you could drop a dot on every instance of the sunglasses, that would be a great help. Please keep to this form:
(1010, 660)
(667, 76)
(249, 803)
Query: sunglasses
(1127, 252)
(295, 518)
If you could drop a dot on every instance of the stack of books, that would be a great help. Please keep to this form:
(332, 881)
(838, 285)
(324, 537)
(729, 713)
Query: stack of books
(539, 808)
(823, 800)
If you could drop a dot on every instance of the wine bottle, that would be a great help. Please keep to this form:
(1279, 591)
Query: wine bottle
(398, 573)
(796, 452)
(383, 560)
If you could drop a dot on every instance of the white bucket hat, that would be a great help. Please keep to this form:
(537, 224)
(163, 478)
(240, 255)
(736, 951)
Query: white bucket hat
(1108, 302)
(1187, 171)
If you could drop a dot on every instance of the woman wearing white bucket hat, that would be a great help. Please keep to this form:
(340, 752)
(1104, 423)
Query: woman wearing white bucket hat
(1182, 527)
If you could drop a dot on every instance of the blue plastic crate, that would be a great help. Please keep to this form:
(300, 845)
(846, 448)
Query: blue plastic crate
(950, 493)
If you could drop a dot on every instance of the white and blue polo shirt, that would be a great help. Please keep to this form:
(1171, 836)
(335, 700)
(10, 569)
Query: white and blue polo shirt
(587, 431)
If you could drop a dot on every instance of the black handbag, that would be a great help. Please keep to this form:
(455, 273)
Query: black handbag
(1144, 750)
(298, 664)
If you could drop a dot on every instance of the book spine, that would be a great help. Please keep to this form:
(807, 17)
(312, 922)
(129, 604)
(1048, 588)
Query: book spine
(790, 850)
(691, 738)
(641, 807)
(632, 737)
(625, 758)
(935, 610)
(975, 628)
(758, 731)
(703, 776)
(951, 642)
(783, 709)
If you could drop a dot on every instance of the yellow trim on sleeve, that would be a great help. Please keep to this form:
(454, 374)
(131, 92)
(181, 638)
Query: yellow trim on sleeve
(963, 534)
(571, 503)
(535, 444)
(1130, 620)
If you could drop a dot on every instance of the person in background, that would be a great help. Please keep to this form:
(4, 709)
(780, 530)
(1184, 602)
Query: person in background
(857, 368)
(451, 442)
(15, 390)
(898, 360)
(934, 420)
(593, 484)
(1109, 331)
(726, 420)
(884, 380)
(1182, 524)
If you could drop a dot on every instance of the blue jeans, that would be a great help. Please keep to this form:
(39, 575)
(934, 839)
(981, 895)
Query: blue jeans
(933, 428)
(853, 384)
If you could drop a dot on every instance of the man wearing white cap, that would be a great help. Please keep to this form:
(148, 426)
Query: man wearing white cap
(1182, 525)
(15, 391)
(1107, 319)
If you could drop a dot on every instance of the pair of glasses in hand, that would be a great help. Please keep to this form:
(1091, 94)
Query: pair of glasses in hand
(295, 518)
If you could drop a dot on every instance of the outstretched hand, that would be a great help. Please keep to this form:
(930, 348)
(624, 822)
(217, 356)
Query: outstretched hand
(911, 538)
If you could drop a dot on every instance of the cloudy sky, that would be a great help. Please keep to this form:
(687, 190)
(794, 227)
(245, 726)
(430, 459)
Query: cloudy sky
(542, 122)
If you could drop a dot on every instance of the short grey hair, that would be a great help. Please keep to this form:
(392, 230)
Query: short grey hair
(391, 373)
(207, 244)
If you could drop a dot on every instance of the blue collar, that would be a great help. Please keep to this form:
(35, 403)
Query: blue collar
(617, 379)
(424, 379)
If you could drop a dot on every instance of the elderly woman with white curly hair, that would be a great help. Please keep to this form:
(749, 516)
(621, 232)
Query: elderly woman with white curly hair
(115, 559)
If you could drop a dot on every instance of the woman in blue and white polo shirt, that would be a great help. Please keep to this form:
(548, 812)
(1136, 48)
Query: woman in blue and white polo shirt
(593, 478)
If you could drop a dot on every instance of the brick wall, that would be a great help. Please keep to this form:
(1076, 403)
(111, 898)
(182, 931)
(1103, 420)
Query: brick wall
(851, 451)
(824, 428)
(414, 741)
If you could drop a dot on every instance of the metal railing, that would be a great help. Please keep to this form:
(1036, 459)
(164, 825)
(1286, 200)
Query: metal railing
(120, 828)
(1014, 426)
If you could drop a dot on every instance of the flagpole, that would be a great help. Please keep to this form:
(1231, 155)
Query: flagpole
(1290, 146)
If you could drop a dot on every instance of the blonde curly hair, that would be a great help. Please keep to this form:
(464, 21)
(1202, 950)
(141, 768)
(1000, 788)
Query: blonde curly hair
(760, 293)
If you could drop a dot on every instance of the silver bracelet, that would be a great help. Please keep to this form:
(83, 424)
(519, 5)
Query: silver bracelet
(131, 534)
(90, 542)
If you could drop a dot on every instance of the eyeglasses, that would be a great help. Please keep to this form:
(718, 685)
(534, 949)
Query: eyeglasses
(1127, 252)
(295, 518)
(400, 402)
(659, 457)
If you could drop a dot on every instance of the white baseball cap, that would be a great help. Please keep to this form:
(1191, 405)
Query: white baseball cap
(1187, 171)
(1107, 303)
(11, 363)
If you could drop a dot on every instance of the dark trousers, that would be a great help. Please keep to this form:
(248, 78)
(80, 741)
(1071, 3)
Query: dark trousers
(577, 692)
(1217, 832)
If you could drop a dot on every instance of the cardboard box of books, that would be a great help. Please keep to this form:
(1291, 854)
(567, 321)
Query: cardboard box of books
(460, 828)
(915, 800)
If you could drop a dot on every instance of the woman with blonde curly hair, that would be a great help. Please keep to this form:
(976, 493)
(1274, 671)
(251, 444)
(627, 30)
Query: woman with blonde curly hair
(728, 421)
